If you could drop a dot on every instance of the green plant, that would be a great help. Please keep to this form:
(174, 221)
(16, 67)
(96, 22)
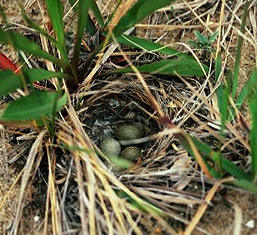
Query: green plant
(43, 106)
(204, 42)
(214, 163)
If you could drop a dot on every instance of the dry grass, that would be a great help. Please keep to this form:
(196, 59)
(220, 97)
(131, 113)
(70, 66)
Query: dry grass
(80, 190)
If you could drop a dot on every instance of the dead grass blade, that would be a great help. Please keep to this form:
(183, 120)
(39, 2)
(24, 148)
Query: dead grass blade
(26, 175)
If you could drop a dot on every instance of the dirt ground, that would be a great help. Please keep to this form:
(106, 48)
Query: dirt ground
(230, 207)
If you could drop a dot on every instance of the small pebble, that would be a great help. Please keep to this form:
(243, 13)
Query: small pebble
(250, 224)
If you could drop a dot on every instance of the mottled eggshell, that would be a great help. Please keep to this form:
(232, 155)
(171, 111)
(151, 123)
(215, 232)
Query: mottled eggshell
(128, 132)
(110, 147)
(131, 153)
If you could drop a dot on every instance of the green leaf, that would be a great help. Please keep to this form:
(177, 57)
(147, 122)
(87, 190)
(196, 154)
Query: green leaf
(90, 26)
(140, 10)
(213, 37)
(97, 13)
(20, 42)
(9, 81)
(230, 167)
(238, 50)
(34, 106)
(246, 184)
(81, 24)
(55, 11)
(194, 44)
(38, 28)
(226, 165)
(223, 92)
(253, 136)
(201, 147)
(181, 66)
(248, 90)
(202, 39)
(149, 46)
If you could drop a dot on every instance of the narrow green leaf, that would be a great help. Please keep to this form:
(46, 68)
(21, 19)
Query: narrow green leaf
(227, 165)
(55, 11)
(38, 28)
(203, 148)
(223, 92)
(140, 10)
(20, 42)
(230, 167)
(181, 66)
(246, 184)
(90, 26)
(120, 163)
(194, 44)
(219, 90)
(81, 24)
(149, 46)
(34, 106)
(213, 37)
(9, 81)
(201, 38)
(97, 13)
(248, 90)
(239, 49)
(253, 136)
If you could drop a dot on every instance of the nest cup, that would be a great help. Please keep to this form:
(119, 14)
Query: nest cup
(118, 103)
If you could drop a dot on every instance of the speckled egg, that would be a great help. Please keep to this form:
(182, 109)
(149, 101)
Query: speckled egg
(110, 147)
(131, 153)
(128, 132)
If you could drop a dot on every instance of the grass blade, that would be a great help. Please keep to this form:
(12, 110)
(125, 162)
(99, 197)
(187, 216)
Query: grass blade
(55, 11)
(9, 81)
(148, 46)
(248, 90)
(238, 50)
(90, 26)
(20, 42)
(38, 28)
(253, 136)
(226, 165)
(219, 91)
(246, 184)
(201, 38)
(194, 148)
(81, 24)
(181, 66)
(140, 10)
(97, 13)
(34, 106)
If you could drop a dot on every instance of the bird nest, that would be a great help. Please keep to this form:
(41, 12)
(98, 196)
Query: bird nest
(150, 196)
(79, 187)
